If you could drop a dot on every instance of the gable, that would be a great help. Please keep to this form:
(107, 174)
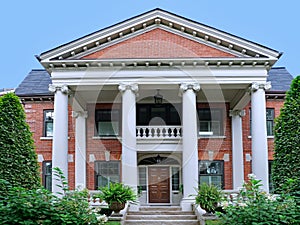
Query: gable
(158, 35)
(158, 43)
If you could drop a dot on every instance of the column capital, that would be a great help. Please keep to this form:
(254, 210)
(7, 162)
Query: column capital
(260, 85)
(192, 86)
(129, 86)
(240, 113)
(59, 87)
(77, 114)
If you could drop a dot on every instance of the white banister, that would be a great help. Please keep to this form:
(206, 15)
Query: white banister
(158, 132)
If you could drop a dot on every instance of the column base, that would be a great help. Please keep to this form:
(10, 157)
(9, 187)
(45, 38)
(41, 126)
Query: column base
(186, 204)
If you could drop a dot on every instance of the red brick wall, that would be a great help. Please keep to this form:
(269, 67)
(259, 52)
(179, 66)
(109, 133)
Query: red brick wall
(35, 118)
(158, 43)
(219, 146)
(99, 146)
(270, 103)
(96, 146)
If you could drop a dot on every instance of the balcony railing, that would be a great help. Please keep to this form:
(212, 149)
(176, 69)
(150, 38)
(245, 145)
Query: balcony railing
(158, 132)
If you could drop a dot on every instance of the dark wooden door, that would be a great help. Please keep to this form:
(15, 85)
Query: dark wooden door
(159, 185)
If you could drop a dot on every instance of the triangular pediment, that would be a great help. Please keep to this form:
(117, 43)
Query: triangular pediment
(158, 34)
(158, 43)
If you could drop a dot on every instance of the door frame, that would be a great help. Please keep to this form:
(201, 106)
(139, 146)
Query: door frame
(170, 185)
(170, 166)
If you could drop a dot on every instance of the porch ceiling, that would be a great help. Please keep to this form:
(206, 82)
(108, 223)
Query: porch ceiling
(110, 93)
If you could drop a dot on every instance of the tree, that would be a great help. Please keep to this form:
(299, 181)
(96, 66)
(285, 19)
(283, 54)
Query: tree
(286, 165)
(18, 159)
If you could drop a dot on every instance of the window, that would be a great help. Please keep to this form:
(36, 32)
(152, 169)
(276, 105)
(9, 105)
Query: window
(175, 179)
(142, 178)
(270, 121)
(211, 172)
(47, 175)
(107, 122)
(107, 172)
(210, 122)
(271, 187)
(270, 115)
(151, 114)
(48, 123)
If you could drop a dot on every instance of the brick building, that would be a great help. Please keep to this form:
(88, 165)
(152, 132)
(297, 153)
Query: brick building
(159, 102)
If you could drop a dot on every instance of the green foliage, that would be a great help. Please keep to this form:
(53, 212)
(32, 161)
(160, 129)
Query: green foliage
(62, 181)
(286, 163)
(112, 223)
(253, 206)
(208, 197)
(212, 222)
(39, 206)
(18, 159)
(117, 192)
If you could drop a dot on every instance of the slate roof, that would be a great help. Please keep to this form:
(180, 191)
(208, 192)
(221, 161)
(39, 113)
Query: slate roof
(36, 83)
(280, 79)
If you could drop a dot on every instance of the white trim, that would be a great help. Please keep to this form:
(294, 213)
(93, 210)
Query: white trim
(212, 137)
(46, 138)
(269, 137)
(106, 138)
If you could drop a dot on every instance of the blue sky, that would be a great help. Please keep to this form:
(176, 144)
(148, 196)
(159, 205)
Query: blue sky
(31, 27)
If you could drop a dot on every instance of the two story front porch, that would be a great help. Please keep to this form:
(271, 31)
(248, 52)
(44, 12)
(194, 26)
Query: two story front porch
(158, 143)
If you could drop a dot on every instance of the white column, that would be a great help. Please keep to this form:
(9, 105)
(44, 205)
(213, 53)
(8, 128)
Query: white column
(80, 148)
(60, 132)
(259, 133)
(129, 152)
(190, 144)
(237, 148)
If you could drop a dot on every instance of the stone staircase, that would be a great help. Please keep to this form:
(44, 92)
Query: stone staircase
(161, 216)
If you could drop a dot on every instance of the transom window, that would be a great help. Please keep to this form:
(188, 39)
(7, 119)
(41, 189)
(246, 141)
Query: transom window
(157, 115)
(107, 122)
(211, 172)
(48, 123)
(107, 172)
(210, 122)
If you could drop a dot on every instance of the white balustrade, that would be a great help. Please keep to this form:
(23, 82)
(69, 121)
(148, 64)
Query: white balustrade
(158, 132)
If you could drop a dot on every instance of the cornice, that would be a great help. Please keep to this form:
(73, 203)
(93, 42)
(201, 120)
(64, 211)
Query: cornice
(157, 63)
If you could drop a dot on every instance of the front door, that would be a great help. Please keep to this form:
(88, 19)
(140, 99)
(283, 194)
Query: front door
(159, 185)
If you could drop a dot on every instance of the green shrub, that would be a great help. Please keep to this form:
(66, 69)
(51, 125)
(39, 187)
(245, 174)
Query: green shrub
(18, 159)
(117, 192)
(39, 206)
(208, 197)
(286, 164)
(254, 206)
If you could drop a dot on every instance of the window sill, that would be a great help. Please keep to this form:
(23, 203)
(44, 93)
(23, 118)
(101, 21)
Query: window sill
(268, 137)
(106, 138)
(48, 138)
(211, 137)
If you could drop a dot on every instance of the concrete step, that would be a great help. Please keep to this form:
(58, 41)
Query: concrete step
(161, 217)
(162, 222)
(160, 213)
(160, 208)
